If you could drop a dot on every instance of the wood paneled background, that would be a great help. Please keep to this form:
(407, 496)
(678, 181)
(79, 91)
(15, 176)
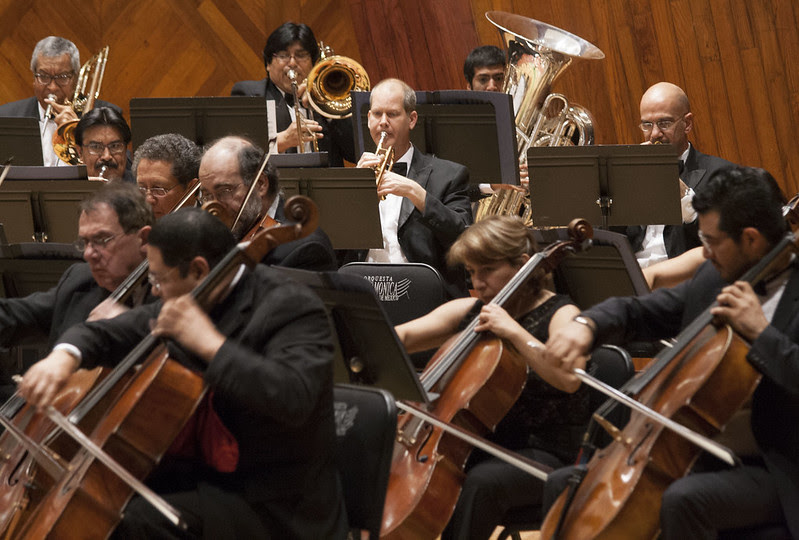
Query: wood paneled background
(736, 59)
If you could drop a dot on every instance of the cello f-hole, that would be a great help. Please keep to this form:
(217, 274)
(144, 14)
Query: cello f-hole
(631, 456)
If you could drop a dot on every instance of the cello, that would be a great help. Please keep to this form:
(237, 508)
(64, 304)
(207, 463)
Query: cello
(475, 381)
(89, 492)
(700, 382)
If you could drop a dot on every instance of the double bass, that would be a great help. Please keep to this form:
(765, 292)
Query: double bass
(700, 382)
(476, 380)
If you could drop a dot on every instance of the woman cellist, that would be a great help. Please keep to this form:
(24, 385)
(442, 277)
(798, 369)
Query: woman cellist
(548, 419)
(269, 357)
(742, 228)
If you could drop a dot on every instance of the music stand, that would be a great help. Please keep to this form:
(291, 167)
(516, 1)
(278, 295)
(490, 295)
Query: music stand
(20, 137)
(369, 351)
(475, 129)
(200, 119)
(347, 201)
(610, 184)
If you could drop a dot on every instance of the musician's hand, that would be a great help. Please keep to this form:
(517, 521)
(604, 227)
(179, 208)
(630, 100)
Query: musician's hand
(739, 306)
(107, 309)
(61, 113)
(288, 138)
(524, 175)
(567, 348)
(496, 320)
(47, 377)
(368, 160)
(182, 319)
(394, 184)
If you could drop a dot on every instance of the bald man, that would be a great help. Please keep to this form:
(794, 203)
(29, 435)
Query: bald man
(666, 118)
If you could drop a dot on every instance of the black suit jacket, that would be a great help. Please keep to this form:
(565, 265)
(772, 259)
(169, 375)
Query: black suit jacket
(29, 107)
(273, 389)
(775, 353)
(338, 140)
(678, 239)
(427, 237)
(314, 252)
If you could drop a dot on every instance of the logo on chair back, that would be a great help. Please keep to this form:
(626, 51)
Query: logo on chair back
(389, 290)
(344, 417)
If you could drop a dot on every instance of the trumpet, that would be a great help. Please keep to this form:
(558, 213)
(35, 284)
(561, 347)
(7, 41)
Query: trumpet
(298, 117)
(386, 155)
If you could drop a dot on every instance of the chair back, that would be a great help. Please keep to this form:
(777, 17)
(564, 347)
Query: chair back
(407, 291)
(613, 366)
(366, 424)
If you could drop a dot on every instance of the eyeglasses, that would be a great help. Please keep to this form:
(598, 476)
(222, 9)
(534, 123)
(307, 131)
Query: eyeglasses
(156, 192)
(299, 56)
(710, 243)
(223, 193)
(155, 282)
(99, 243)
(97, 148)
(663, 125)
(61, 80)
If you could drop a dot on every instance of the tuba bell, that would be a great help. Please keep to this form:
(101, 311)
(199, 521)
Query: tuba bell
(91, 77)
(330, 82)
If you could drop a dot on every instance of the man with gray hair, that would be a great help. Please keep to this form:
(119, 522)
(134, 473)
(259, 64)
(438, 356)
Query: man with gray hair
(55, 64)
(165, 166)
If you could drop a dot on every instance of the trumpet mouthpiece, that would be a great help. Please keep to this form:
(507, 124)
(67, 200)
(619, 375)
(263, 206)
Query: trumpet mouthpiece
(292, 74)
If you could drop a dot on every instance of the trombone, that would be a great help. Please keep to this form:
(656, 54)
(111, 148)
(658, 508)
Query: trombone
(301, 128)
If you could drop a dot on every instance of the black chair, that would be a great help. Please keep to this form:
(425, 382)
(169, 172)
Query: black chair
(366, 424)
(611, 365)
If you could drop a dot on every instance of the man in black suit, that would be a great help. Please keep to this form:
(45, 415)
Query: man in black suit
(740, 221)
(266, 355)
(55, 64)
(293, 46)
(424, 209)
(666, 118)
(227, 170)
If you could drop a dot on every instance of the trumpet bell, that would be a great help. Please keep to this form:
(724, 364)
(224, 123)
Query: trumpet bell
(330, 82)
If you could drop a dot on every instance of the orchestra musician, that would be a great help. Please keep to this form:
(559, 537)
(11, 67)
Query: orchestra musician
(112, 231)
(666, 118)
(484, 69)
(547, 421)
(426, 204)
(164, 166)
(293, 46)
(55, 64)
(102, 137)
(740, 219)
(266, 354)
(227, 170)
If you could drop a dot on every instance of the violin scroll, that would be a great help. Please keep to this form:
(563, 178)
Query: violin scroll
(299, 208)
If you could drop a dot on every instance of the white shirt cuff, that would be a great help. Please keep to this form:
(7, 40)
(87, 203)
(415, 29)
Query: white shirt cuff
(71, 349)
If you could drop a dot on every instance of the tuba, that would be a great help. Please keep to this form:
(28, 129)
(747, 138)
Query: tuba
(330, 82)
(537, 54)
(91, 76)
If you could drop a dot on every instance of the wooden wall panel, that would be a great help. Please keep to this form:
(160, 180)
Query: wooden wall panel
(735, 58)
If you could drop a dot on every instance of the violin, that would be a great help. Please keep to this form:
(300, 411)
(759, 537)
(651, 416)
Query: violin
(700, 383)
(91, 490)
(477, 380)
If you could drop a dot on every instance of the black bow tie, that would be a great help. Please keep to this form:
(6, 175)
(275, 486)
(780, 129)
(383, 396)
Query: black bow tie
(681, 166)
(400, 168)
(289, 99)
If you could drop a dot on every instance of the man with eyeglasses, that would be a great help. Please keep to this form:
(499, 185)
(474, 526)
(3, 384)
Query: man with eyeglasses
(165, 166)
(55, 64)
(102, 137)
(112, 232)
(227, 170)
(666, 118)
(293, 46)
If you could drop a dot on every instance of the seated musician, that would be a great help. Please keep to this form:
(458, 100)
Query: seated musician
(227, 170)
(55, 64)
(426, 204)
(740, 220)
(293, 46)
(164, 166)
(112, 232)
(266, 354)
(547, 421)
(102, 137)
(484, 69)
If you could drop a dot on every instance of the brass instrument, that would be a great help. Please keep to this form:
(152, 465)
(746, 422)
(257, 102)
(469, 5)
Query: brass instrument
(330, 82)
(82, 102)
(386, 155)
(298, 118)
(48, 113)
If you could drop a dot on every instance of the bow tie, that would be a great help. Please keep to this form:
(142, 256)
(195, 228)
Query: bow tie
(289, 99)
(400, 168)
(681, 167)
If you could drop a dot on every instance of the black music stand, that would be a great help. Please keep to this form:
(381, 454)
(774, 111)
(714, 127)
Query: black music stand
(475, 129)
(611, 185)
(20, 138)
(368, 351)
(347, 201)
(200, 119)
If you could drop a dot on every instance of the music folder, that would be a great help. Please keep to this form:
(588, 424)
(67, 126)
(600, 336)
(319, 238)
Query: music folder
(20, 139)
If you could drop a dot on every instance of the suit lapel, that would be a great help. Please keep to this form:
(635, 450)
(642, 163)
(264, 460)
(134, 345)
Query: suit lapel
(281, 107)
(241, 304)
(693, 172)
(419, 172)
